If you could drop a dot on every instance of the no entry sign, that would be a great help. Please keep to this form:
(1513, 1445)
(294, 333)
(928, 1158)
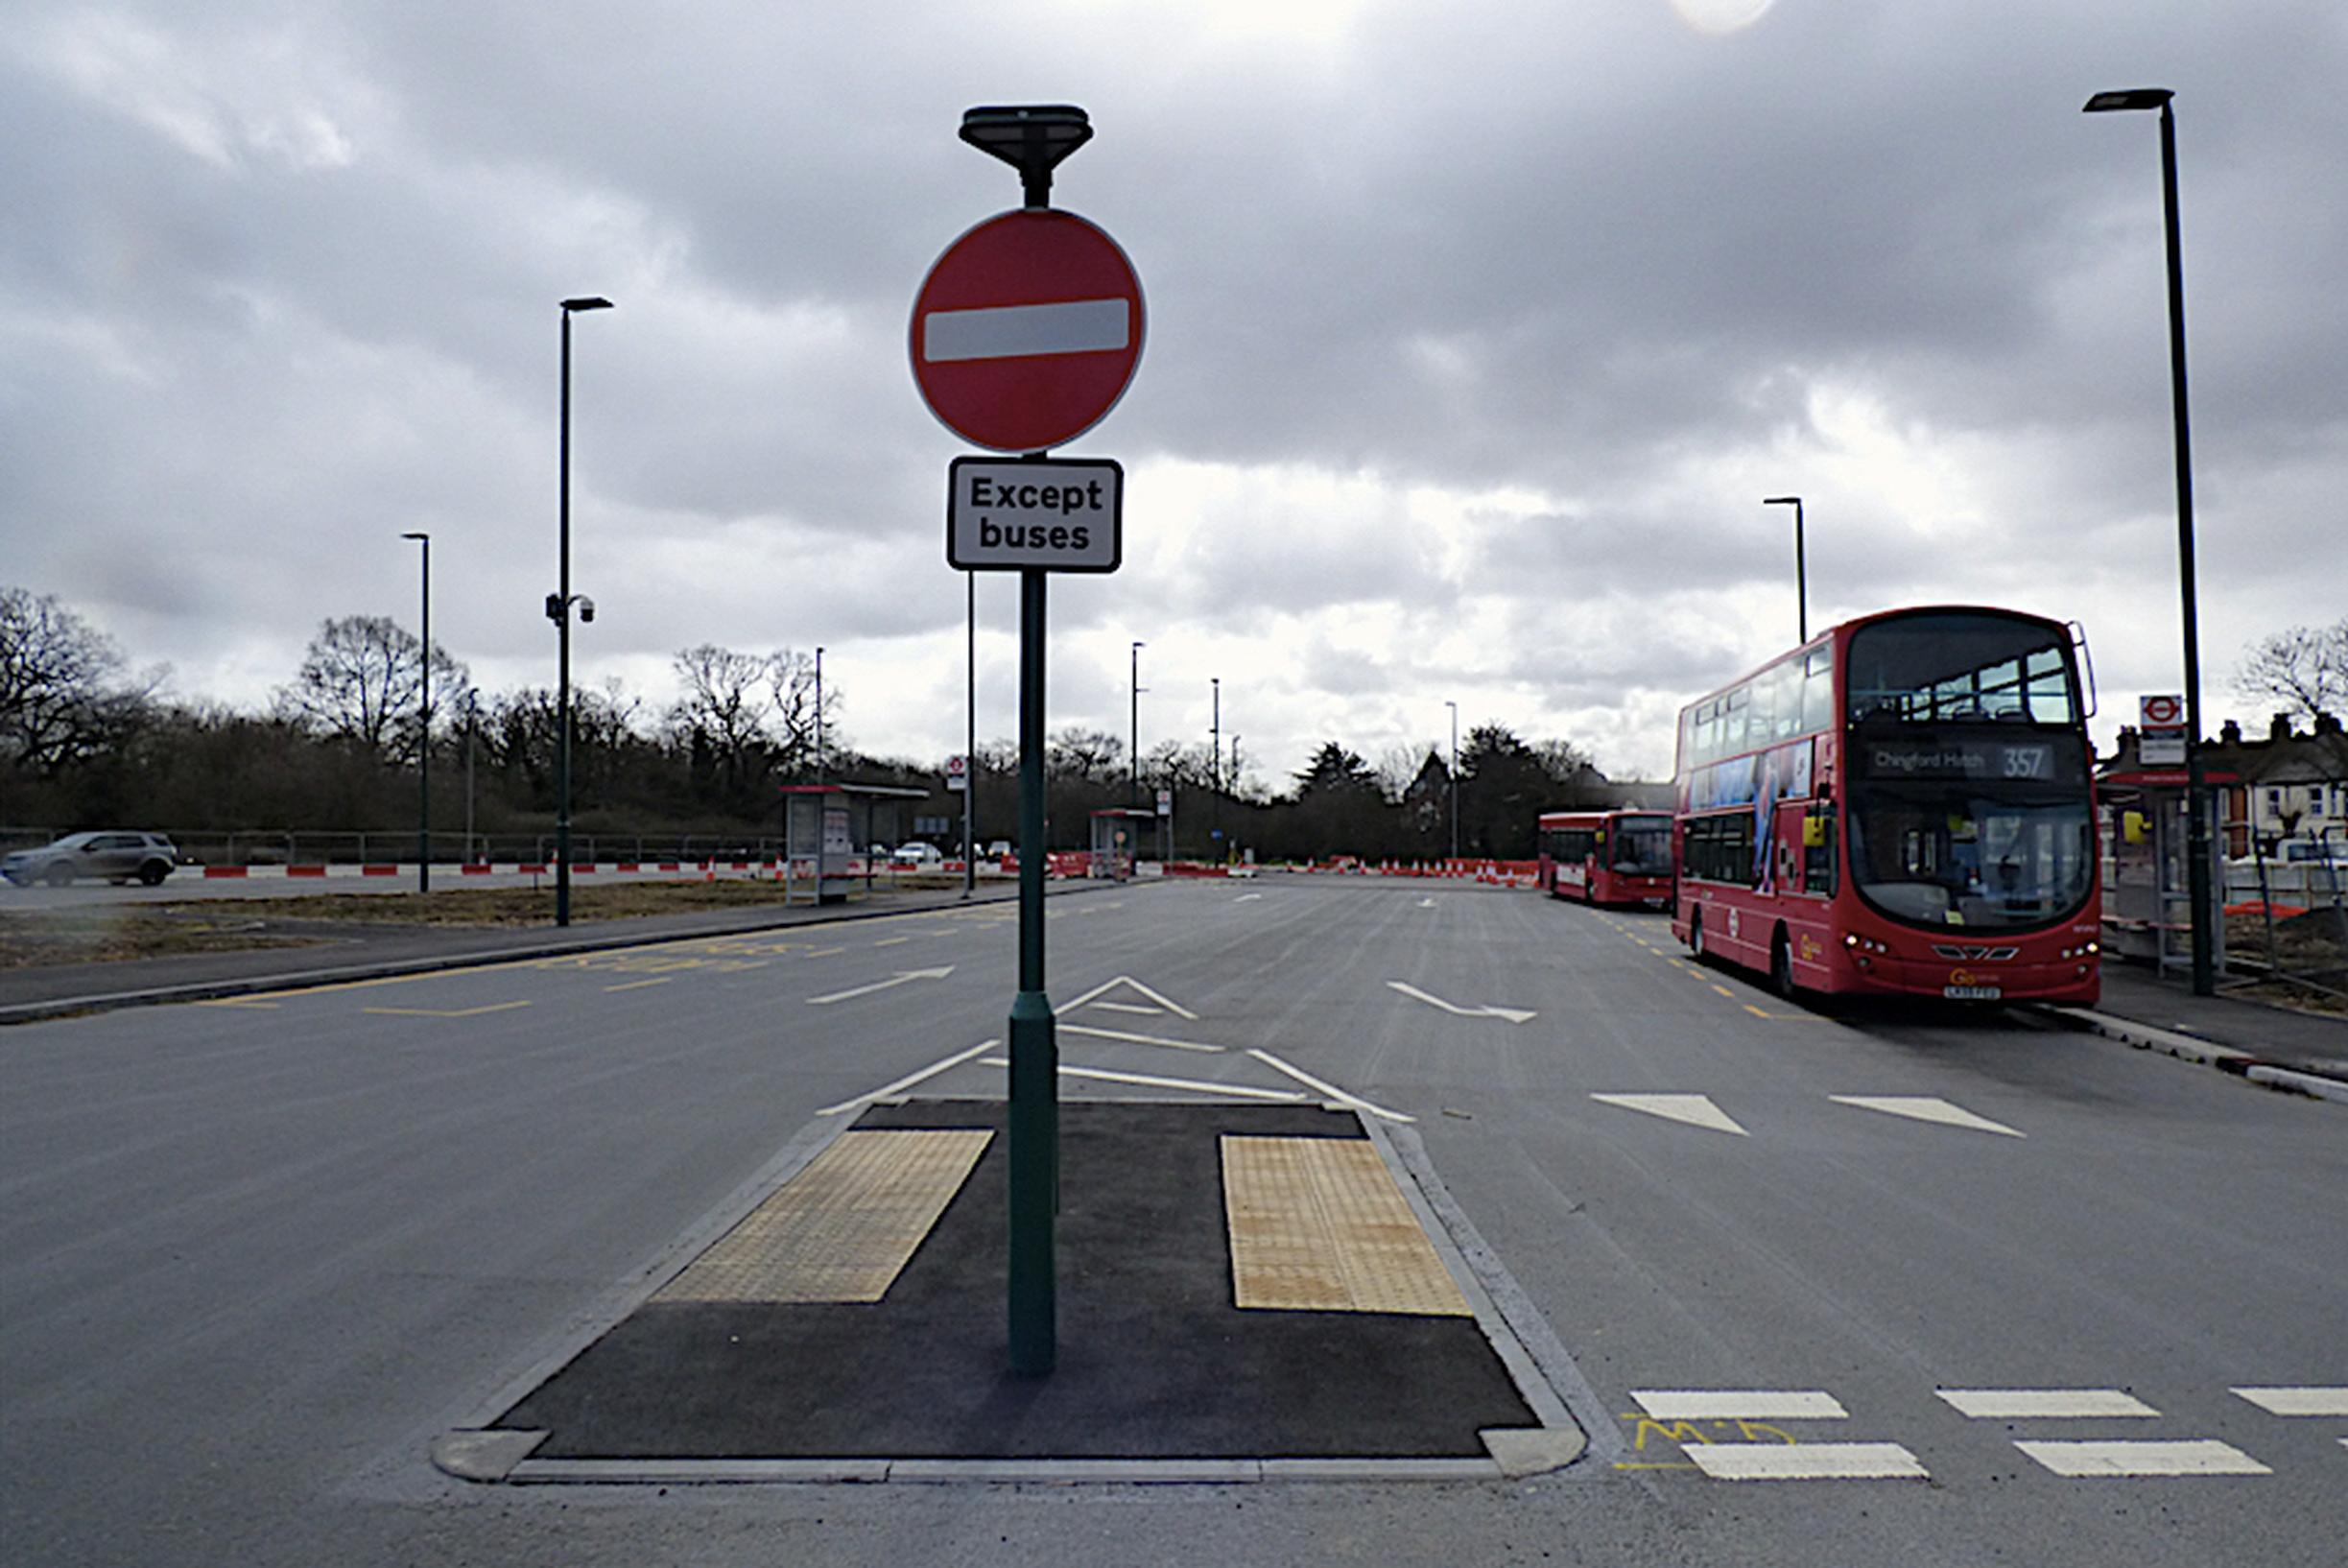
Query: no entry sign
(1027, 331)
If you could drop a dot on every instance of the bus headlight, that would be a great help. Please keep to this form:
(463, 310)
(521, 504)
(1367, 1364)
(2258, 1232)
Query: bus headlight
(1863, 944)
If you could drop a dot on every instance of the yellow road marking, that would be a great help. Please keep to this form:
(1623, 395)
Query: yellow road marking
(233, 1002)
(892, 942)
(444, 1013)
(1725, 991)
(825, 952)
(638, 984)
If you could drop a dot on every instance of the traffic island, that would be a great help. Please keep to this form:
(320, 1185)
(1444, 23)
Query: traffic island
(1244, 1293)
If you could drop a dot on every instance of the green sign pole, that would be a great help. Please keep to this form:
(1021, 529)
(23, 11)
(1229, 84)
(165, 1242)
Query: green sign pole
(1034, 1110)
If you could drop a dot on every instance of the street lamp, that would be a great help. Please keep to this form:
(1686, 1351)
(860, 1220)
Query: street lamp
(1133, 744)
(1455, 778)
(820, 715)
(1801, 572)
(423, 732)
(2196, 806)
(558, 611)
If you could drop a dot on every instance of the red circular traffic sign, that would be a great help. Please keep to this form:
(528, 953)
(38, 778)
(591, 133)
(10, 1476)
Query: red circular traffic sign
(1027, 331)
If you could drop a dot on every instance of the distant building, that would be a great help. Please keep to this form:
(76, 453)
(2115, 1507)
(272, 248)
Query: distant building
(2286, 784)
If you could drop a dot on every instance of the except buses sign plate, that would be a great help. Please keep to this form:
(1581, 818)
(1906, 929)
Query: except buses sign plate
(1056, 514)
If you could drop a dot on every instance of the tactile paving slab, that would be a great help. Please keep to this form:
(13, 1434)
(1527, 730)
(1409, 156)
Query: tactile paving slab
(1316, 1224)
(843, 1228)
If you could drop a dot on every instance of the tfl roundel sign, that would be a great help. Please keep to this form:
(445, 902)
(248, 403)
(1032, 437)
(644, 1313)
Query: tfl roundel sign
(1027, 331)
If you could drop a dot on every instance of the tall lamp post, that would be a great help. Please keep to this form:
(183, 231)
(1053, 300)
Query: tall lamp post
(818, 715)
(1801, 569)
(1133, 742)
(1455, 778)
(423, 732)
(2196, 803)
(558, 611)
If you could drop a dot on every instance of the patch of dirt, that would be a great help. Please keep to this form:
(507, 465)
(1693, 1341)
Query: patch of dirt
(146, 931)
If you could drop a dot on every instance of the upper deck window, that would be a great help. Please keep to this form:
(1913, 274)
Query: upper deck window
(1959, 668)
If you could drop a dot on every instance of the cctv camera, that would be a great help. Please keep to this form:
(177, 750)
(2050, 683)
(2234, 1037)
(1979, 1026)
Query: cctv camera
(586, 608)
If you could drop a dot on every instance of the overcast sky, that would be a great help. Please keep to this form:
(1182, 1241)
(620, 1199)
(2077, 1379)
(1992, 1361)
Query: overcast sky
(1477, 334)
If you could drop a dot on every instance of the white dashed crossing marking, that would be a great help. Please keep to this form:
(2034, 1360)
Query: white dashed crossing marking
(1807, 1462)
(1694, 1109)
(1925, 1108)
(2203, 1456)
(2300, 1401)
(2025, 1404)
(1740, 1404)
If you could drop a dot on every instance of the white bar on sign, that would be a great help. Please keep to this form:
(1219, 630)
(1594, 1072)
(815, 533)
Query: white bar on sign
(1073, 326)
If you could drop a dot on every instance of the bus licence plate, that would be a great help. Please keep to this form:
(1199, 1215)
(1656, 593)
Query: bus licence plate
(1972, 994)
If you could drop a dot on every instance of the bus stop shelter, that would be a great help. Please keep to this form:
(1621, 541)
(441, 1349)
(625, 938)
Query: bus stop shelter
(1116, 837)
(821, 837)
(2148, 904)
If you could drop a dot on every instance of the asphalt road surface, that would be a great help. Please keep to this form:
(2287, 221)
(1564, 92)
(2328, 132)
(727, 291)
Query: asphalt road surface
(256, 1255)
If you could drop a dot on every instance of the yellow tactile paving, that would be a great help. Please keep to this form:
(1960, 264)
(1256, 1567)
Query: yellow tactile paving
(843, 1229)
(1316, 1224)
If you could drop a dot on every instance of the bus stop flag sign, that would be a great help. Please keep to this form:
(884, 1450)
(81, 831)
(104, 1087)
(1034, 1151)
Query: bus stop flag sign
(1027, 331)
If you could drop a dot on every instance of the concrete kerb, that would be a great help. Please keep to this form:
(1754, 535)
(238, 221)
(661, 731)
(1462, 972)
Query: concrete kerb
(63, 1007)
(473, 1450)
(2244, 1064)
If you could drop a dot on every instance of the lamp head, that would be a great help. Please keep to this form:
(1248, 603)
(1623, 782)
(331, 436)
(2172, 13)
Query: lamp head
(1033, 138)
(587, 302)
(2128, 98)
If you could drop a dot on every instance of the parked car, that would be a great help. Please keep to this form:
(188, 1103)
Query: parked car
(115, 856)
(917, 854)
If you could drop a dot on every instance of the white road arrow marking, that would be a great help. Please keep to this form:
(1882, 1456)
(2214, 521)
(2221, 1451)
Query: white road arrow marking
(1694, 1109)
(899, 979)
(1246, 897)
(1924, 1108)
(1514, 1015)
(1426, 903)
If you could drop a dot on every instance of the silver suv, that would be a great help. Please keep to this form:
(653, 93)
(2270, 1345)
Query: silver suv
(117, 857)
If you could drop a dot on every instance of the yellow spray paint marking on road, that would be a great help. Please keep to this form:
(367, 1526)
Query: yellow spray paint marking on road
(1685, 1433)
(638, 984)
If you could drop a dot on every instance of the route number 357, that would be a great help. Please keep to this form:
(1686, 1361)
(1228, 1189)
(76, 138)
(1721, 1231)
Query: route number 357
(2027, 761)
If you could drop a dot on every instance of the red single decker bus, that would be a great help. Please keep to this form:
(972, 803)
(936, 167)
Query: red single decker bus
(1607, 857)
(1902, 805)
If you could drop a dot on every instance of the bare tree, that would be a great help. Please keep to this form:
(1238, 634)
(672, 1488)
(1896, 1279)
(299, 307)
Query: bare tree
(61, 694)
(2303, 668)
(791, 688)
(722, 720)
(360, 680)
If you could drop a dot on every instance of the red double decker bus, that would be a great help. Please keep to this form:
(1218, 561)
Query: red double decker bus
(1901, 805)
(1607, 857)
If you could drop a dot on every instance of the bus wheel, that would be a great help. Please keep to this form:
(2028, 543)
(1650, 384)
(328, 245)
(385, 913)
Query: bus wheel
(1781, 966)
